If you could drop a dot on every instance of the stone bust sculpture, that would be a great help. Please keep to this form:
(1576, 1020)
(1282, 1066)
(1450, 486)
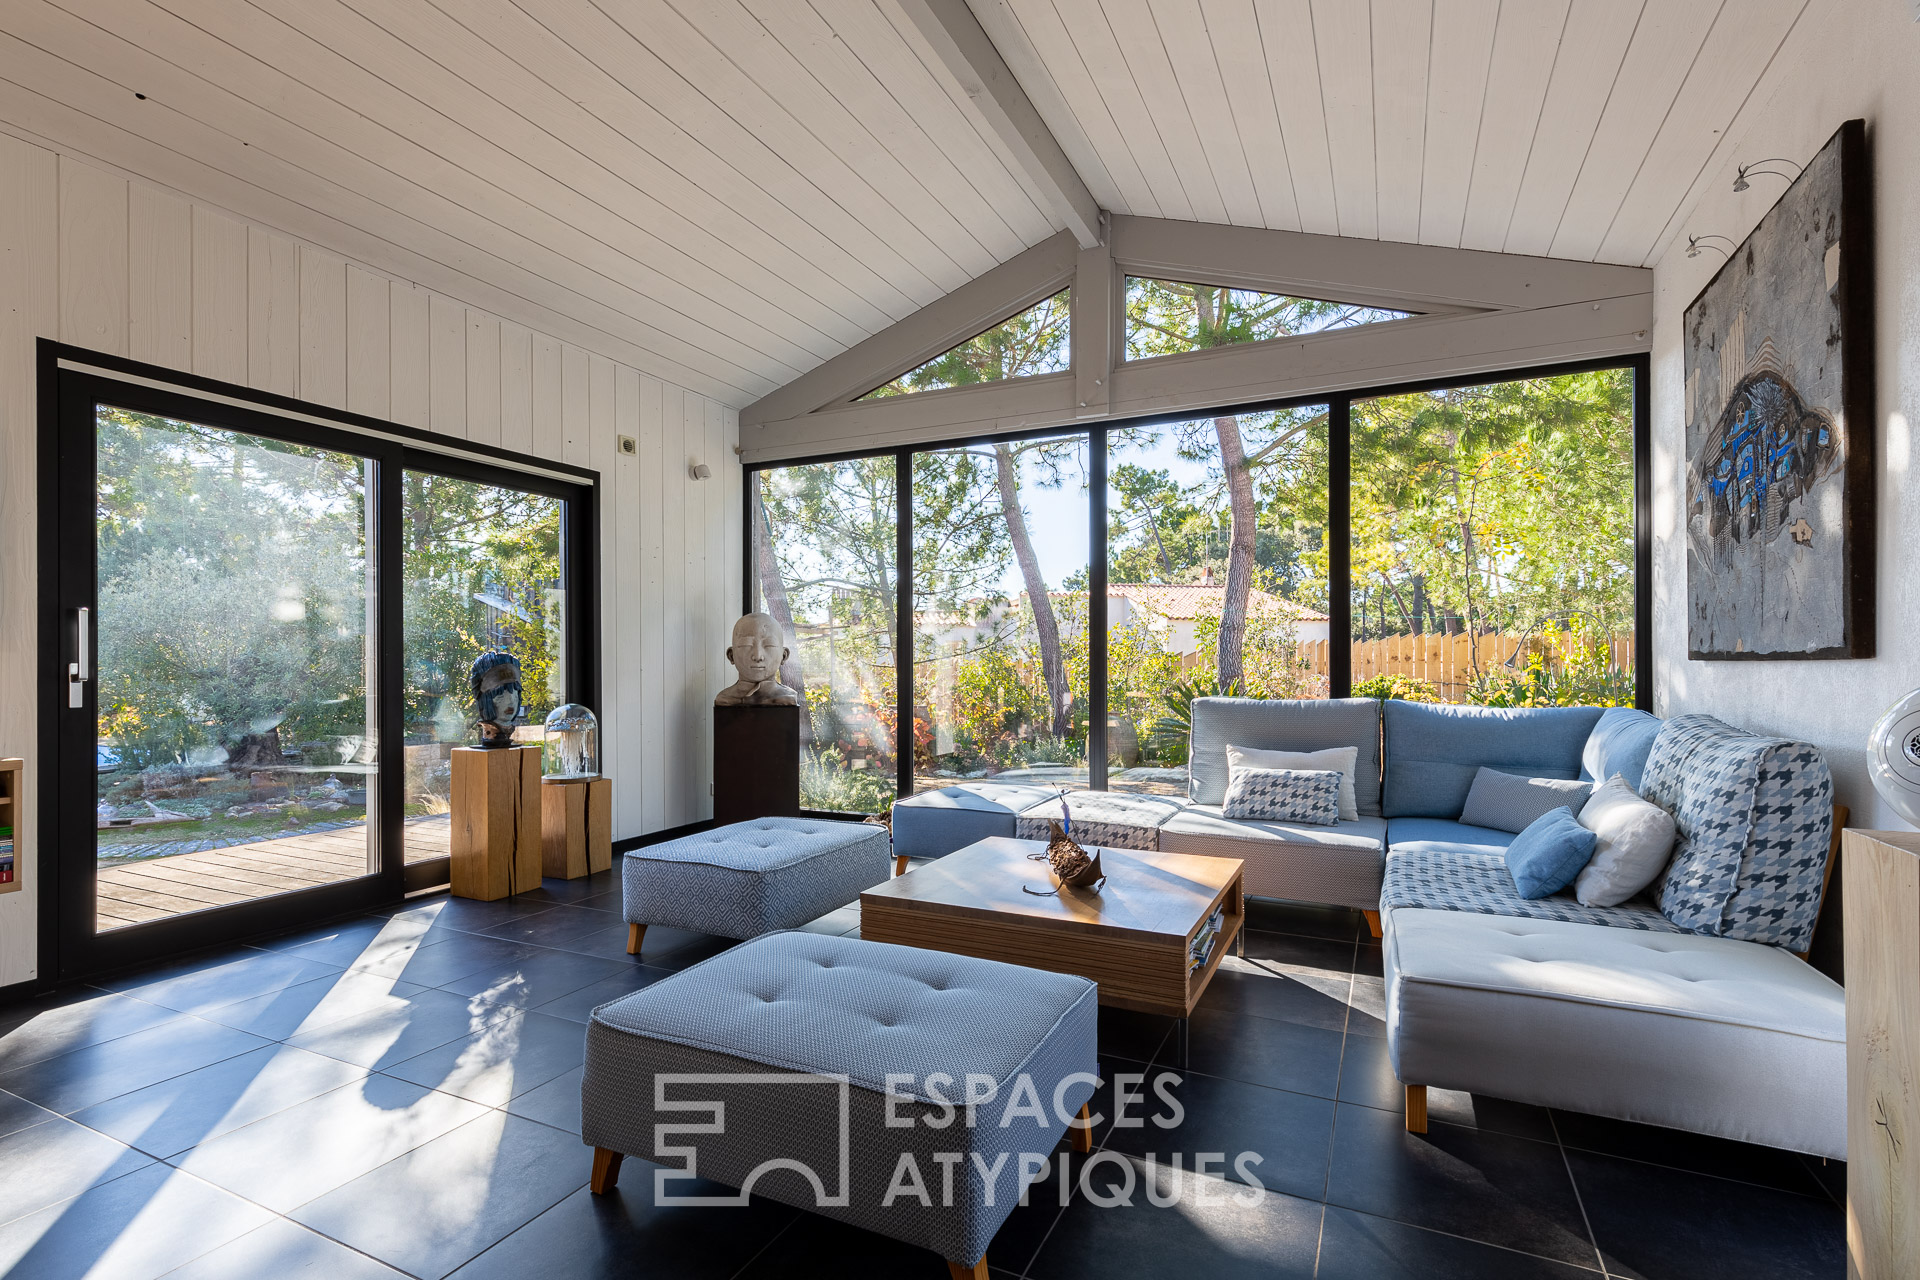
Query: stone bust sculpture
(494, 682)
(756, 653)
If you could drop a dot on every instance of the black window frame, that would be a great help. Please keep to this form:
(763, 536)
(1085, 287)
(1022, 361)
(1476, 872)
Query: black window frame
(68, 946)
(1339, 406)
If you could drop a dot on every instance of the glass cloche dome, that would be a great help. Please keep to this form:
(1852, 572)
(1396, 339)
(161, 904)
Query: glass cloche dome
(573, 744)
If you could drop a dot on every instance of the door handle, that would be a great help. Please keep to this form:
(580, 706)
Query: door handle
(80, 670)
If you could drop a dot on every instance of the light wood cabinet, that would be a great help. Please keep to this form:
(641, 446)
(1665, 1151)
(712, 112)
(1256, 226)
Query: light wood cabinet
(1881, 890)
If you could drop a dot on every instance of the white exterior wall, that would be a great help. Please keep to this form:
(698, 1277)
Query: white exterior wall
(119, 266)
(1844, 60)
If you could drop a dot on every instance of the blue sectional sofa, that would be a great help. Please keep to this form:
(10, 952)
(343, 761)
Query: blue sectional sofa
(1688, 1006)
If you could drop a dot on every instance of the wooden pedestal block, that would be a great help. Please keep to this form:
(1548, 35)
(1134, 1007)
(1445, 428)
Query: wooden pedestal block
(756, 763)
(576, 827)
(1881, 884)
(496, 821)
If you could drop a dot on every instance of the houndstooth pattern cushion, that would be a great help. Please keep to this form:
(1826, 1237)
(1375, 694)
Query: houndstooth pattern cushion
(1755, 822)
(1284, 795)
(1101, 819)
(1456, 880)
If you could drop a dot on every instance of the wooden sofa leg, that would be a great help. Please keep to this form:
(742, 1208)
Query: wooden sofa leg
(1373, 921)
(1080, 1133)
(635, 932)
(900, 864)
(606, 1171)
(961, 1271)
(1416, 1108)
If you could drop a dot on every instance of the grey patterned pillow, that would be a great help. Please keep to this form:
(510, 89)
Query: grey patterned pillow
(1513, 802)
(1284, 795)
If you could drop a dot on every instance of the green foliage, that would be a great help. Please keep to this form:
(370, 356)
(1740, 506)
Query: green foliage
(1401, 688)
(1567, 669)
(1174, 728)
(827, 783)
(1038, 340)
(1502, 506)
(1167, 317)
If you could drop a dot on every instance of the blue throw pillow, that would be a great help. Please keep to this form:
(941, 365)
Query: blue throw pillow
(1548, 855)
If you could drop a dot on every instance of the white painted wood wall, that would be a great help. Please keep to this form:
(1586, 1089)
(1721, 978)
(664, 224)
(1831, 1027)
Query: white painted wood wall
(93, 259)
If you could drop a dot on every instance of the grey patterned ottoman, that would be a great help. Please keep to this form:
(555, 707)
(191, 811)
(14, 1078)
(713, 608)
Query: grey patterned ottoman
(817, 1071)
(750, 878)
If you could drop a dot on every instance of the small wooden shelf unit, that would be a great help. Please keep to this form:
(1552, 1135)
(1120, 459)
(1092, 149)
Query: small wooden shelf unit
(13, 780)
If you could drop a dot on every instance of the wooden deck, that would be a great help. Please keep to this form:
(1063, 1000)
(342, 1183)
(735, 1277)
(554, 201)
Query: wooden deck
(156, 888)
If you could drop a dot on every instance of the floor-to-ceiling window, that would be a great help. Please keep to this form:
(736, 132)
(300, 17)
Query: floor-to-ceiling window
(1217, 572)
(1493, 542)
(825, 566)
(258, 628)
(482, 570)
(1000, 583)
(1478, 543)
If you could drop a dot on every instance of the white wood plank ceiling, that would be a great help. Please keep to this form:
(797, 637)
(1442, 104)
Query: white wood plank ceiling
(727, 192)
(1568, 128)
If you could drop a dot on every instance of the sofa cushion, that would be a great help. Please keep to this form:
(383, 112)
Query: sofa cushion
(1705, 1034)
(1428, 833)
(1339, 864)
(1513, 802)
(1343, 760)
(931, 824)
(1754, 816)
(1437, 878)
(1619, 744)
(1282, 725)
(1545, 858)
(1433, 750)
(1634, 839)
(1108, 819)
(1284, 795)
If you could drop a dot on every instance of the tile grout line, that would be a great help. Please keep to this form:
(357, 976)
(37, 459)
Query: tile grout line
(1567, 1163)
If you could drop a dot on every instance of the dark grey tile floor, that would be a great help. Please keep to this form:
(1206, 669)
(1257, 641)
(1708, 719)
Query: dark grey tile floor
(399, 1094)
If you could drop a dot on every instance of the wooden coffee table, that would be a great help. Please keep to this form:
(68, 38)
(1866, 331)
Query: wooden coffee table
(1133, 936)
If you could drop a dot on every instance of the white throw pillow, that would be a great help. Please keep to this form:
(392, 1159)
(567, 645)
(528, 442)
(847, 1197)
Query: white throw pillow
(1635, 839)
(1343, 759)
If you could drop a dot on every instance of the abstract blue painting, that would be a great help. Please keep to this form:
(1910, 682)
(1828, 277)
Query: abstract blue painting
(1779, 482)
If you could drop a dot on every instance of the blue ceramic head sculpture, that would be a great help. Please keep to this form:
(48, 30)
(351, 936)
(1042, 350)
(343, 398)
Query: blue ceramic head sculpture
(495, 682)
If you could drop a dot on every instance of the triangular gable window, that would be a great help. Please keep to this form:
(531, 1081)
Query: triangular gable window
(1038, 340)
(1168, 317)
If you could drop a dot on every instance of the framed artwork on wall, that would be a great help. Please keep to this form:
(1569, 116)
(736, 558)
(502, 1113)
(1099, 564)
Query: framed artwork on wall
(1780, 427)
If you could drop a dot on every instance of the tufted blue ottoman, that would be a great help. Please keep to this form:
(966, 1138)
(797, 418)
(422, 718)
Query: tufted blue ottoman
(750, 878)
(817, 1071)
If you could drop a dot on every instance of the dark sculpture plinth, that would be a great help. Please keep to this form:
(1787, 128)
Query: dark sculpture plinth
(756, 763)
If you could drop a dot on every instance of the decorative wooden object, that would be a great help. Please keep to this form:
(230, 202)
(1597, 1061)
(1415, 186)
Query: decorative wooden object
(1133, 936)
(756, 763)
(496, 821)
(576, 826)
(1881, 905)
(13, 787)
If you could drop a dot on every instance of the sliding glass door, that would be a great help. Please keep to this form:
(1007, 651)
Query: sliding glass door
(258, 631)
(235, 715)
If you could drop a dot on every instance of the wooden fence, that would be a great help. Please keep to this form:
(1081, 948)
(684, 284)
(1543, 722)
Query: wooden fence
(1449, 662)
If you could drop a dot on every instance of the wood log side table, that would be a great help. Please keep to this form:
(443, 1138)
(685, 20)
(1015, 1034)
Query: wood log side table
(496, 822)
(576, 826)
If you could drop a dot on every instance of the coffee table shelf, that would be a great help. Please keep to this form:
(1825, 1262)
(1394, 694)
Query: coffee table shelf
(1133, 936)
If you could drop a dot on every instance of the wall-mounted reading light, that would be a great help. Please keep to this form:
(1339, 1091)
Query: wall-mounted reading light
(1753, 168)
(1696, 243)
(699, 470)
